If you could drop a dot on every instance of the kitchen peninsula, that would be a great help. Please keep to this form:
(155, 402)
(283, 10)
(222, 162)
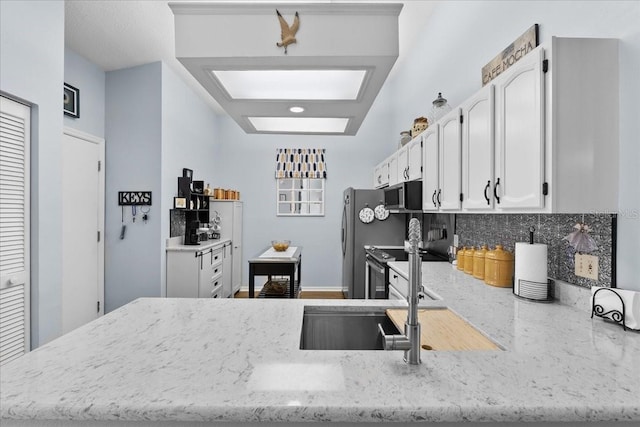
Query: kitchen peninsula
(208, 360)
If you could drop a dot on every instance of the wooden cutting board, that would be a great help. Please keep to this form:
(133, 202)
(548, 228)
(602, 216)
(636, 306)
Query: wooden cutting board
(441, 329)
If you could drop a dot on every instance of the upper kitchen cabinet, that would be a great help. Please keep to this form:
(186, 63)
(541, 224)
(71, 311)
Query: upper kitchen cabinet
(582, 132)
(450, 150)
(441, 177)
(403, 165)
(557, 128)
(381, 174)
(478, 150)
(520, 178)
(414, 158)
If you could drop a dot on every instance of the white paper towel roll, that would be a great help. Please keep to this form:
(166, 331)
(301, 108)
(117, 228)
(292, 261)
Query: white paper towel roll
(530, 273)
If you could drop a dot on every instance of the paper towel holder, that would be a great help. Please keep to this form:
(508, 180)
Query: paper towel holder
(614, 315)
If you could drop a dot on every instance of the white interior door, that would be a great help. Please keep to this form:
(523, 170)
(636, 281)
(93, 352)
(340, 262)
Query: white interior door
(82, 225)
(15, 119)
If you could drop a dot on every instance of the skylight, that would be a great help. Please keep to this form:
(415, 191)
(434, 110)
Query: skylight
(291, 84)
(299, 124)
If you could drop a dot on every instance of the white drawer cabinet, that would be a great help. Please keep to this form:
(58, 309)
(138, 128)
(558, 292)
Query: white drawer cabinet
(398, 285)
(197, 273)
(381, 174)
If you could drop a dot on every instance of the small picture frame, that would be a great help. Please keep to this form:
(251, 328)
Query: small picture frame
(180, 203)
(71, 101)
(187, 173)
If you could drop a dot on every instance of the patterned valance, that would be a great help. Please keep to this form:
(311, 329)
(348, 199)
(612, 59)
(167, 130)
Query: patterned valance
(300, 163)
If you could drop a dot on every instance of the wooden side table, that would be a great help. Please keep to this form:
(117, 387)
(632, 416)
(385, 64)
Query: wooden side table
(272, 263)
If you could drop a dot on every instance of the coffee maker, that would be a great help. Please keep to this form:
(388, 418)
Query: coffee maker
(191, 236)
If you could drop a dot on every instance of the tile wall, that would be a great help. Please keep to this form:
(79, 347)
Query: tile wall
(507, 229)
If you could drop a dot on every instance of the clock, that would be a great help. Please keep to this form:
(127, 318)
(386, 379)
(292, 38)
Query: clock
(366, 215)
(381, 212)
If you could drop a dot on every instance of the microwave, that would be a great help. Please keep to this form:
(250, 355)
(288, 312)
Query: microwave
(404, 196)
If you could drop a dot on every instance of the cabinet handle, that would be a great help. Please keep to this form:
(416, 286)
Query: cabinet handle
(433, 198)
(438, 198)
(379, 179)
(485, 192)
(495, 191)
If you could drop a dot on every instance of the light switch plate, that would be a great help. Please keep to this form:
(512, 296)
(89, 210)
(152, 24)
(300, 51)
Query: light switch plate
(587, 266)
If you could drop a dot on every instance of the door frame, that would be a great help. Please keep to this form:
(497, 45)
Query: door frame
(101, 205)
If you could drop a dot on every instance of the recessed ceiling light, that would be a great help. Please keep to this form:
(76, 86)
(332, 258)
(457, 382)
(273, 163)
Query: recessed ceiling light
(296, 109)
(291, 84)
(299, 124)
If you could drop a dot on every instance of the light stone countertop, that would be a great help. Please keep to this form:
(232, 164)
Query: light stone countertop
(239, 360)
(204, 245)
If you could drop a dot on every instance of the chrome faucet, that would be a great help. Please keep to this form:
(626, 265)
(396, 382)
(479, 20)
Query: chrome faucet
(409, 342)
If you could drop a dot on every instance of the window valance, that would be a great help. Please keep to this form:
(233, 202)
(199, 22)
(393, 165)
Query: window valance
(300, 163)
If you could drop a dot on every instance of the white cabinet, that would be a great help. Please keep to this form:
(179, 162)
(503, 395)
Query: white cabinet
(406, 163)
(403, 163)
(431, 167)
(450, 179)
(394, 173)
(230, 212)
(478, 150)
(227, 267)
(441, 177)
(520, 172)
(381, 174)
(414, 159)
(195, 273)
(556, 128)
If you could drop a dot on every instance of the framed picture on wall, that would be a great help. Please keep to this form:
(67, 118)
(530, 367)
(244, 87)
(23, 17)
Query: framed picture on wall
(71, 99)
(180, 203)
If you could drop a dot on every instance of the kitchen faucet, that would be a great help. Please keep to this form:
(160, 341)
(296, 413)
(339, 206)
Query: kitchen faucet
(409, 342)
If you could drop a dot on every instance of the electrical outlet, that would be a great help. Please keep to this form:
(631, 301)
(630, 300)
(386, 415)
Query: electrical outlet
(455, 240)
(587, 266)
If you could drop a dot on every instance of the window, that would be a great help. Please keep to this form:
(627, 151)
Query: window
(300, 196)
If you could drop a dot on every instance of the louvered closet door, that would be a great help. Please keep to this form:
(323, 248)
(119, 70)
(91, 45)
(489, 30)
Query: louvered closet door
(14, 229)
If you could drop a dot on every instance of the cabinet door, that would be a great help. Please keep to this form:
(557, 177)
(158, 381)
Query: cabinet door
(430, 172)
(414, 154)
(394, 175)
(520, 136)
(448, 196)
(381, 175)
(403, 164)
(227, 267)
(478, 150)
(236, 242)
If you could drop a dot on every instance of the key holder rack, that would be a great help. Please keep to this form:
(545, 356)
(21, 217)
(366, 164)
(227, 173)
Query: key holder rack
(134, 198)
(616, 316)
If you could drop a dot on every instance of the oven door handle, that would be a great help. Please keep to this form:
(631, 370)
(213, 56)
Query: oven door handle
(375, 268)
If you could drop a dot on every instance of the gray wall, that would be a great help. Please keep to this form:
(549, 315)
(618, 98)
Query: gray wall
(155, 126)
(32, 68)
(247, 163)
(90, 80)
(133, 163)
(188, 141)
(462, 36)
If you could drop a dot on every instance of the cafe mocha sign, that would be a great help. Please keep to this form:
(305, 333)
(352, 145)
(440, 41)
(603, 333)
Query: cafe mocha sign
(512, 54)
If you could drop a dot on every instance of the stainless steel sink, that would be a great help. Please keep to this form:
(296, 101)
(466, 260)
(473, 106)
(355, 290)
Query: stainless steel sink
(344, 329)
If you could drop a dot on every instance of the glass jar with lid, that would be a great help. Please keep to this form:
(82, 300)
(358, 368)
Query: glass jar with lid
(439, 108)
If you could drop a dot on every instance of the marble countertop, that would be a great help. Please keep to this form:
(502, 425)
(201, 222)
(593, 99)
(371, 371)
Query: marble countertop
(204, 245)
(239, 360)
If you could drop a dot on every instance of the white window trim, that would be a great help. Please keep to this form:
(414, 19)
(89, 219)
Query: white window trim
(282, 204)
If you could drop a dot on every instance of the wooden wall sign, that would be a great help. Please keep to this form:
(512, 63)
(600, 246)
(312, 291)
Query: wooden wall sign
(512, 54)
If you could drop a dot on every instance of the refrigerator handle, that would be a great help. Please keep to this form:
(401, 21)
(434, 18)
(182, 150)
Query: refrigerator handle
(344, 224)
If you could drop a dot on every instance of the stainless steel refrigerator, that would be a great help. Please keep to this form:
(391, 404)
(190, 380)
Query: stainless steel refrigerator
(356, 234)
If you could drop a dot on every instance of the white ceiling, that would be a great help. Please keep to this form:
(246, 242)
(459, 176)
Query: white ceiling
(117, 34)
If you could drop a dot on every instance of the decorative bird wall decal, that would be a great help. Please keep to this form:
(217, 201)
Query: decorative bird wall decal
(288, 34)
